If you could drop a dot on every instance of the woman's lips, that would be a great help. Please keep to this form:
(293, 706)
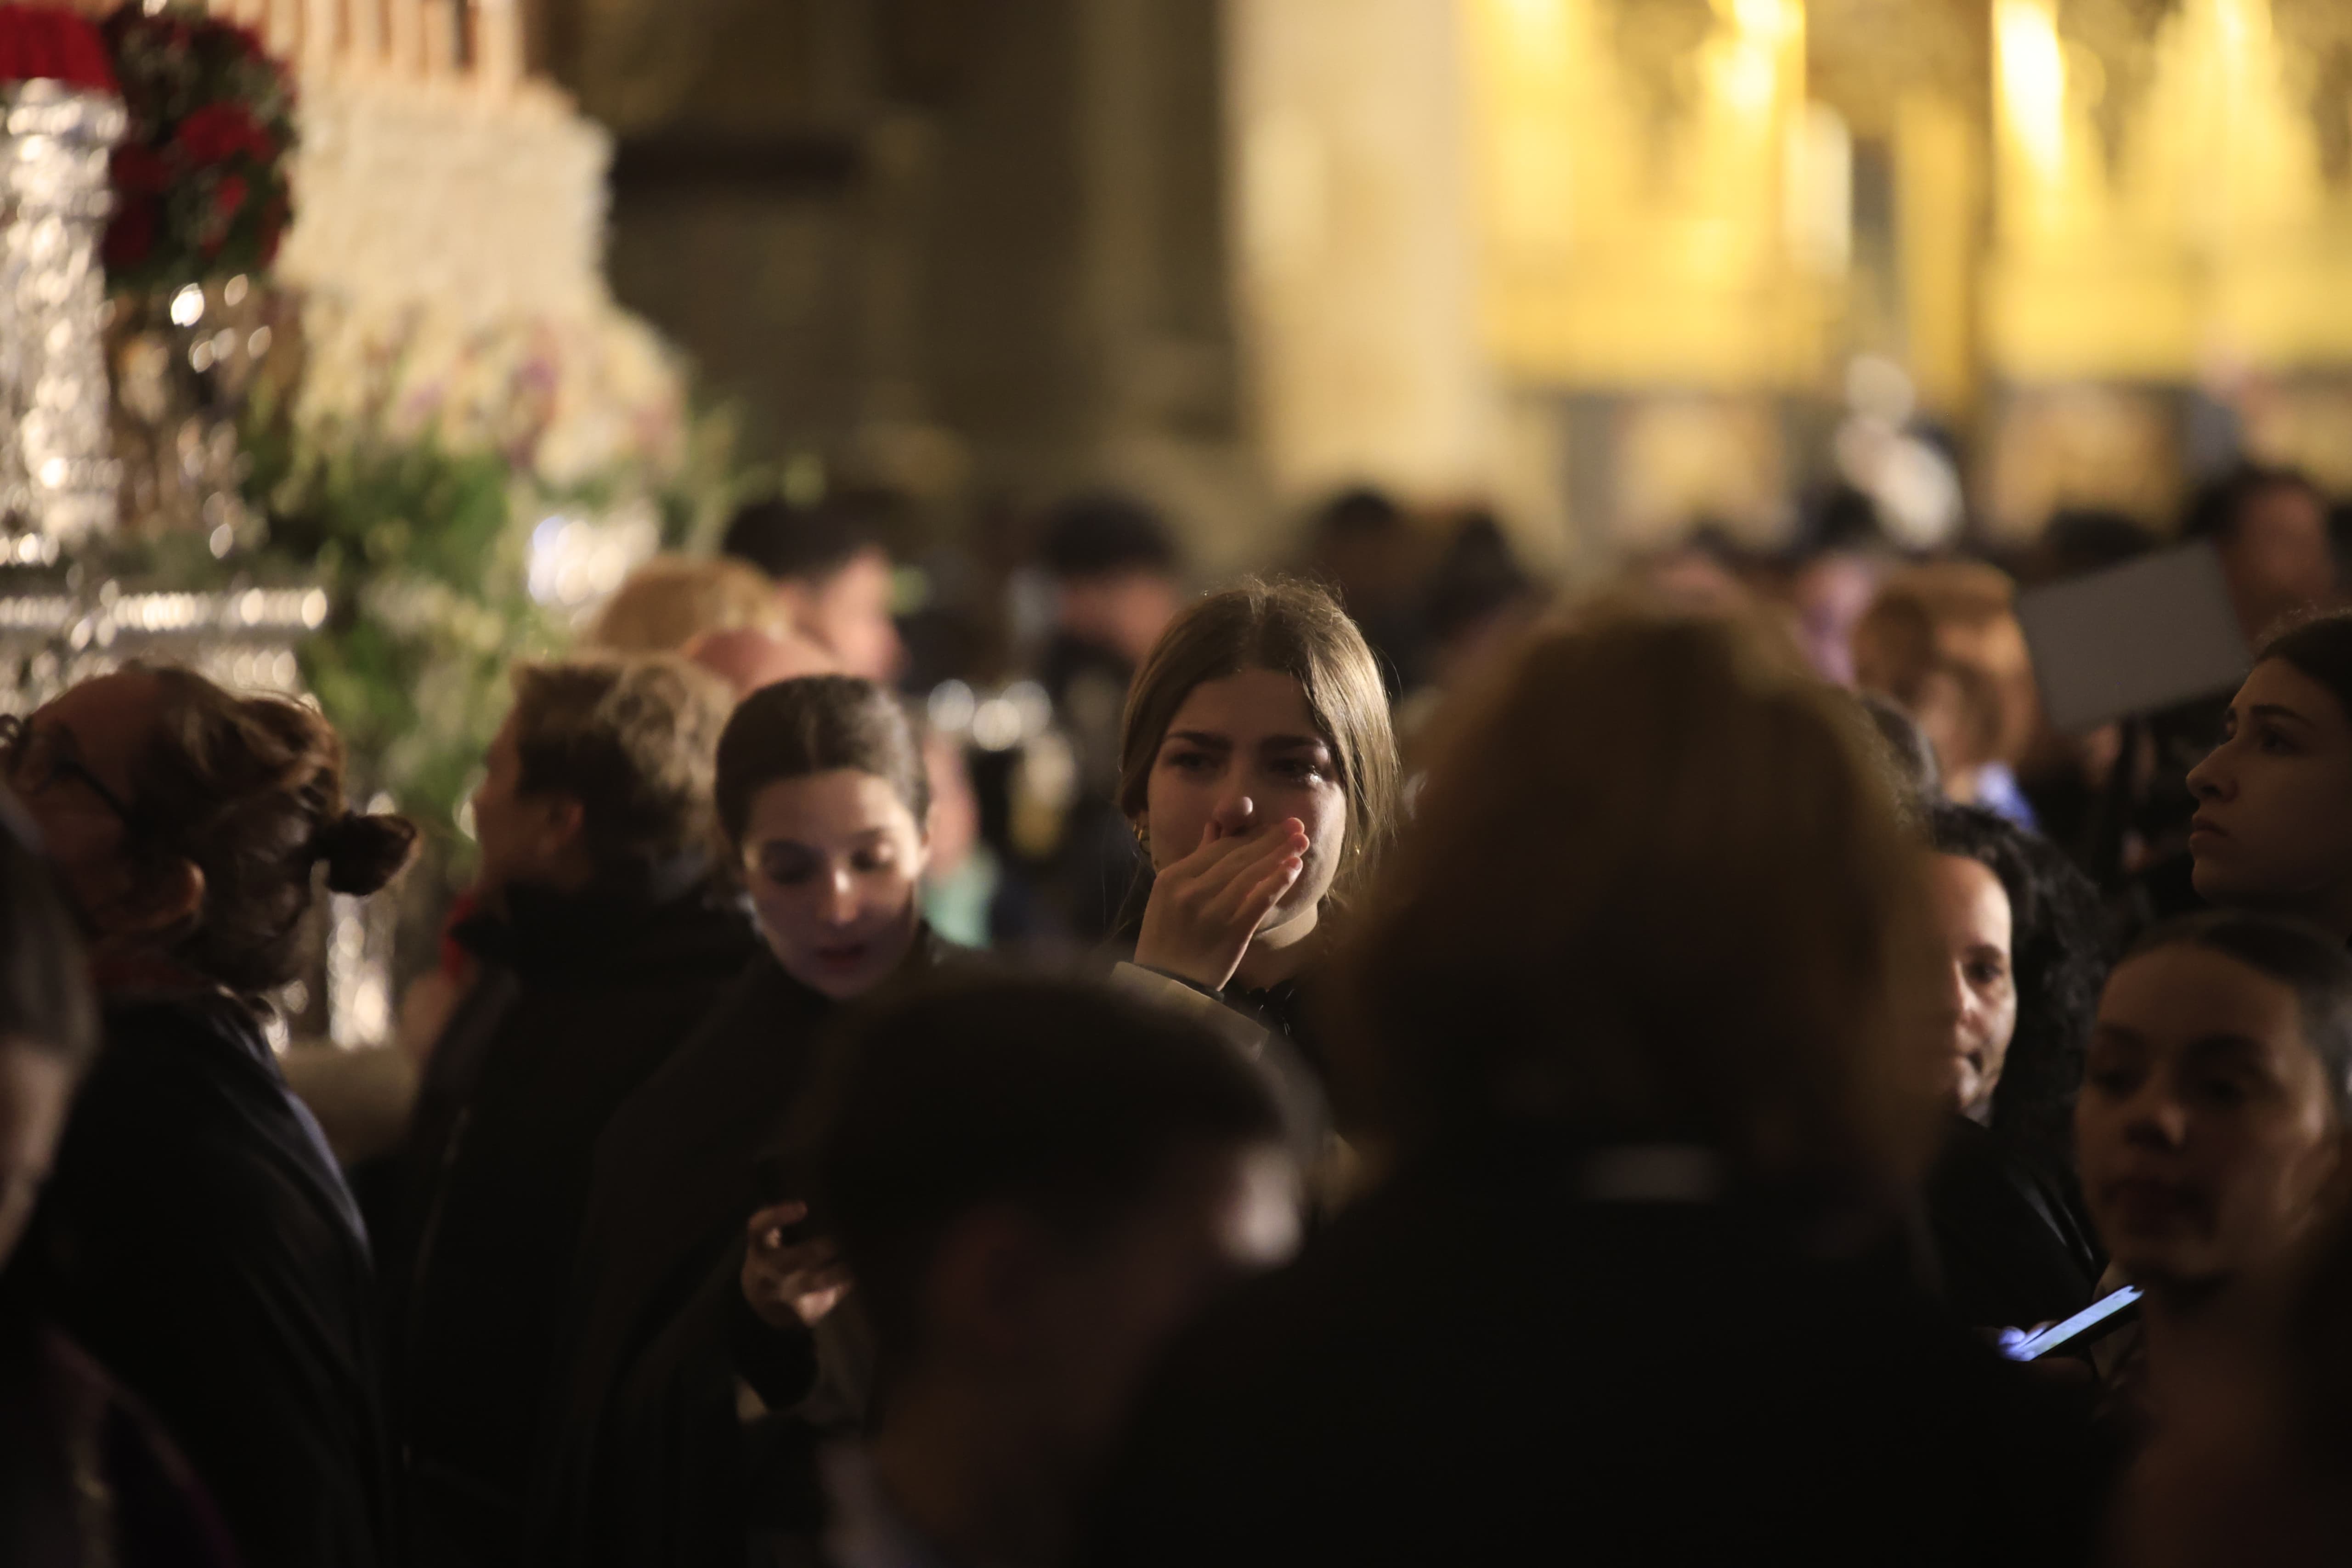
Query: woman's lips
(843, 956)
(2204, 826)
(2146, 1203)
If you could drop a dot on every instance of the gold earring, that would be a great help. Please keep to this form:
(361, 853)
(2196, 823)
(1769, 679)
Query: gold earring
(1143, 836)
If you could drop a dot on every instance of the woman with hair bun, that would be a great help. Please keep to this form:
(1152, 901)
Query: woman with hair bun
(196, 1235)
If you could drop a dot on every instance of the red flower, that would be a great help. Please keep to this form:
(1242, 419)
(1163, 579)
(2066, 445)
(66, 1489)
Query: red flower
(132, 235)
(141, 171)
(227, 197)
(217, 133)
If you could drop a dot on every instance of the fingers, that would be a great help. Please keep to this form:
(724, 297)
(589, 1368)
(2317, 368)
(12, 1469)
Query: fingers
(777, 1215)
(1258, 899)
(1266, 849)
(1277, 849)
(798, 1257)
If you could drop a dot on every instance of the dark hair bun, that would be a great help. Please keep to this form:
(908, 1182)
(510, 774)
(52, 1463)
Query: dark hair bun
(364, 853)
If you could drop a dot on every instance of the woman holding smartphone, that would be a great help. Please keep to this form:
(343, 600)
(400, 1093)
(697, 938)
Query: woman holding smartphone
(2212, 1126)
(823, 799)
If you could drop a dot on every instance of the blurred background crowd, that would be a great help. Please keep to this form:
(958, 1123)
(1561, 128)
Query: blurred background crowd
(744, 736)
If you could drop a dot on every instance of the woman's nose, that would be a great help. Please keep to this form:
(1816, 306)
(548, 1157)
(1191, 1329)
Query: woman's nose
(840, 897)
(2156, 1119)
(1235, 814)
(1959, 1000)
(2209, 779)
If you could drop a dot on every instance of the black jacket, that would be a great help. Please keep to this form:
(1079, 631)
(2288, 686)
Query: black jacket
(643, 1458)
(86, 1476)
(580, 999)
(1487, 1362)
(2008, 1246)
(197, 1239)
(672, 1189)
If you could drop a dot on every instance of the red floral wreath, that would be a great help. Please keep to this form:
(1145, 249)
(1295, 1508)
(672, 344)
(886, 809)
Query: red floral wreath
(200, 184)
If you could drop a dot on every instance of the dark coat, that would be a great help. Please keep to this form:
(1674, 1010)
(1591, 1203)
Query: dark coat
(1484, 1362)
(196, 1239)
(581, 999)
(86, 1476)
(672, 1189)
(645, 1463)
(2008, 1247)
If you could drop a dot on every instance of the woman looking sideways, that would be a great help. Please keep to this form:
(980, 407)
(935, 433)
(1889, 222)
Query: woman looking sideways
(2274, 826)
(196, 1235)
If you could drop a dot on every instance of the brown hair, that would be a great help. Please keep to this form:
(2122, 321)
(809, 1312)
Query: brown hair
(672, 599)
(1296, 629)
(249, 790)
(1655, 889)
(813, 725)
(1956, 619)
(633, 740)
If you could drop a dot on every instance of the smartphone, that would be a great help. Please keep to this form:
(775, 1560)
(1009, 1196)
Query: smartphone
(2094, 1323)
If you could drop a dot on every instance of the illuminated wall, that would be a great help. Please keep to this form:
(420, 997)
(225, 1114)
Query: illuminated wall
(1655, 205)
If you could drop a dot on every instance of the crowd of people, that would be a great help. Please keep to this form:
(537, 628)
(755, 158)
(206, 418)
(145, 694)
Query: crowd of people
(1698, 1073)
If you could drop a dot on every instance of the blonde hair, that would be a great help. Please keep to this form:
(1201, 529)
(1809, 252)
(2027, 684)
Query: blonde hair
(672, 599)
(1654, 889)
(1296, 629)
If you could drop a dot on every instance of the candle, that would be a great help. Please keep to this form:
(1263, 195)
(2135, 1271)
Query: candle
(367, 34)
(498, 45)
(321, 34)
(405, 35)
(440, 40)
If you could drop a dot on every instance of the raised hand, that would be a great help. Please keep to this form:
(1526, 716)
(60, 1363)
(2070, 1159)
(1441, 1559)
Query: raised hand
(1206, 908)
(789, 1284)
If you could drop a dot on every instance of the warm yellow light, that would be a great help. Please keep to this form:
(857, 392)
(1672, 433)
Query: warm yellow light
(2032, 68)
(1766, 20)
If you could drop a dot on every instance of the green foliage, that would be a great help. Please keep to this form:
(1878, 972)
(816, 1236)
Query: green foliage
(424, 563)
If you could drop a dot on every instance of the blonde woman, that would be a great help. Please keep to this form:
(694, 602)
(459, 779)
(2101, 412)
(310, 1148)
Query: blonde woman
(1638, 1007)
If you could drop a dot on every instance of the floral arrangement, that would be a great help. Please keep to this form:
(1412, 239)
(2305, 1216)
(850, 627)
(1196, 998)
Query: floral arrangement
(588, 399)
(200, 183)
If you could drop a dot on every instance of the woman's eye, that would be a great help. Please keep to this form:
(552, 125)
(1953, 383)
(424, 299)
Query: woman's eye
(870, 861)
(1986, 973)
(1303, 769)
(2225, 1092)
(786, 870)
(1191, 762)
(2271, 740)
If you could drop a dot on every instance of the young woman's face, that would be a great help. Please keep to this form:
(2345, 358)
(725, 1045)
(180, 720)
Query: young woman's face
(2206, 1128)
(832, 861)
(1972, 921)
(1243, 753)
(2272, 830)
